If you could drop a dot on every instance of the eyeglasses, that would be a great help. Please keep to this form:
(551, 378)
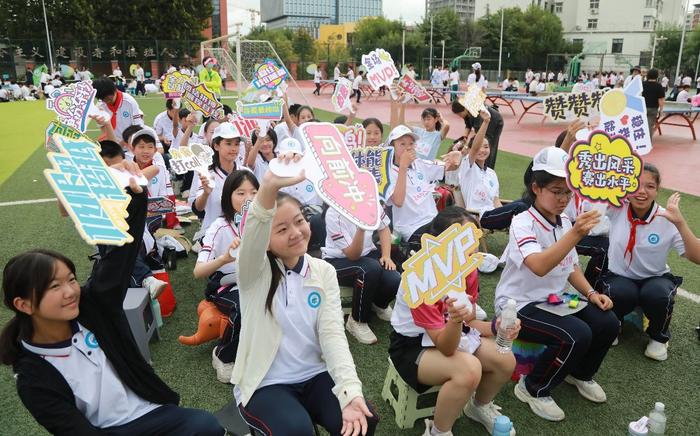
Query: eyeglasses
(561, 194)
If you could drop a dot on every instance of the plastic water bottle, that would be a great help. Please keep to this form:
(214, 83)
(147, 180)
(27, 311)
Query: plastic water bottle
(657, 420)
(508, 316)
(502, 426)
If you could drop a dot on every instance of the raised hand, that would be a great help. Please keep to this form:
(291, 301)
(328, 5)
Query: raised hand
(673, 210)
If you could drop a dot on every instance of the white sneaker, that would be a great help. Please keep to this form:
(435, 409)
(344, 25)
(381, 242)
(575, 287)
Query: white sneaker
(223, 370)
(361, 331)
(656, 350)
(589, 390)
(486, 414)
(480, 313)
(155, 287)
(616, 341)
(429, 427)
(196, 247)
(383, 314)
(185, 194)
(544, 407)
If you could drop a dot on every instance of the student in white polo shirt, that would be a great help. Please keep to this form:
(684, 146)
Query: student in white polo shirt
(78, 369)
(204, 199)
(413, 182)
(124, 108)
(641, 235)
(262, 152)
(371, 273)
(443, 344)
(540, 260)
(216, 262)
(166, 123)
(293, 366)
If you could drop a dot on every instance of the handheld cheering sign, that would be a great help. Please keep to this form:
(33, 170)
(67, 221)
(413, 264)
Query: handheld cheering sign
(196, 157)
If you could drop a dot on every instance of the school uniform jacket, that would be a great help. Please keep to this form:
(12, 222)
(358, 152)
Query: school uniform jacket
(42, 388)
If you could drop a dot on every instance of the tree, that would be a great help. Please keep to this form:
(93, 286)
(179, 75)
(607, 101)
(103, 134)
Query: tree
(666, 54)
(68, 19)
(379, 32)
(447, 26)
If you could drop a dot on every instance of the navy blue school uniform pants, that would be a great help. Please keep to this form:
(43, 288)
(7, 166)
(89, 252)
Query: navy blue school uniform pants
(575, 344)
(171, 420)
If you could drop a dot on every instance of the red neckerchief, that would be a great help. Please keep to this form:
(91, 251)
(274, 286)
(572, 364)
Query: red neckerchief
(631, 242)
(114, 107)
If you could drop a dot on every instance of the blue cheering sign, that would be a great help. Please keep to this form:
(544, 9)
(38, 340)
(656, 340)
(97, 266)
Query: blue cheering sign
(87, 189)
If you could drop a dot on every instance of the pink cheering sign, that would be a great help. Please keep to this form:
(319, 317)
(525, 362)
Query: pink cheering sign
(269, 75)
(72, 104)
(341, 95)
(336, 177)
(381, 70)
(413, 88)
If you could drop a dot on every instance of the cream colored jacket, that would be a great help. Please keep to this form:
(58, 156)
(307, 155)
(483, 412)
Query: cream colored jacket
(261, 334)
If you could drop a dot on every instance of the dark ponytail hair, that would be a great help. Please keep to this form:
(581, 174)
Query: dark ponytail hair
(431, 112)
(540, 178)
(270, 134)
(448, 216)
(234, 181)
(282, 197)
(215, 160)
(27, 276)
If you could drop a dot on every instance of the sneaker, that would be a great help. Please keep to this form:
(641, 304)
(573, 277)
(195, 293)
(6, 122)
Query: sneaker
(480, 313)
(589, 390)
(361, 331)
(196, 247)
(383, 314)
(656, 350)
(223, 370)
(155, 287)
(429, 428)
(616, 341)
(486, 414)
(185, 194)
(544, 407)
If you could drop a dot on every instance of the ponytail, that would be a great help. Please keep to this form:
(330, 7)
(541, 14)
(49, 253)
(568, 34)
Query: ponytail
(18, 328)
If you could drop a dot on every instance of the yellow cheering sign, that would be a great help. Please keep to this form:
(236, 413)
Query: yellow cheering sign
(441, 265)
(604, 168)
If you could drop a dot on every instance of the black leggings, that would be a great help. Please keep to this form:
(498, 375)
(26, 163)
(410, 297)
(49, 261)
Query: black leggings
(226, 299)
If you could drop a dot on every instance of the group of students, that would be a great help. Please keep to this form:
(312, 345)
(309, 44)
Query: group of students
(79, 370)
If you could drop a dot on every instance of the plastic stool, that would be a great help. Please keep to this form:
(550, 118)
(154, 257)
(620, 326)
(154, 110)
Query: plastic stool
(142, 322)
(406, 402)
(346, 299)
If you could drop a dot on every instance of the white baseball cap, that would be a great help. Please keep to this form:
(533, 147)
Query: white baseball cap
(288, 145)
(476, 66)
(552, 160)
(227, 131)
(400, 131)
(144, 131)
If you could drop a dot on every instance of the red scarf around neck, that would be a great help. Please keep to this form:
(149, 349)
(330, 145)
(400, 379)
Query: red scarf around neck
(114, 107)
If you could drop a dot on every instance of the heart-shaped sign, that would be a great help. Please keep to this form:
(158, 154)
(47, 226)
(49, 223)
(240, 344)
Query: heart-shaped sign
(336, 177)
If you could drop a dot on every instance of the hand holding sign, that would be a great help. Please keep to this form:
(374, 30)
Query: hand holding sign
(441, 265)
(282, 168)
(604, 169)
(473, 100)
(196, 157)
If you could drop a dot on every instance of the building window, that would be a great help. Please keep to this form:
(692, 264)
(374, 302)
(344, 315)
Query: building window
(558, 7)
(648, 22)
(617, 45)
(594, 4)
(649, 3)
(592, 23)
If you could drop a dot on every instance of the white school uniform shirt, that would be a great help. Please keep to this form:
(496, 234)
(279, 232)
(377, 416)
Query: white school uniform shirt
(664, 82)
(506, 84)
(419, 206)
(454, 78)
(445, 75)
(140, 76)
(99, 393)
(163, 125)
(282, 132)
(336, 74)
(531, 233)
(212, 208)
(482, 83)
(317, 77)
(298, 356)
(428, 143)
(340, 232)
(305, 192)
(261, 167)
(687, 81)
(160, 185)
(653, 242)
(683, 96)
(479, 187)
(128, 114)
(356, 83)
(560, 76)
(217, 240)
(350, 74)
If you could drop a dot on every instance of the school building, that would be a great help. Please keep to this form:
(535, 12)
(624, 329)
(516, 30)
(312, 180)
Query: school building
(311, 14)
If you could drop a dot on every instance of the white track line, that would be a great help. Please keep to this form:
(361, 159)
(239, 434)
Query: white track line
(689, 295)
(17, 203)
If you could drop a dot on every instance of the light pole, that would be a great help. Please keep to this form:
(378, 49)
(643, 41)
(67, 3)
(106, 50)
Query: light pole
(48, 38)
(653, 48)
(430, 63)
(403, 48)
(500, 47)
(442, 63)
(680, 49)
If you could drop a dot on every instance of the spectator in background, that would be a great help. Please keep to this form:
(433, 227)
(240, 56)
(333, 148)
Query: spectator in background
(140, 80)
(654, 96)
(683, 96)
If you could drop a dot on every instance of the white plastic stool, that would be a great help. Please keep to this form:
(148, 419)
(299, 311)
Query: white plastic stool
(142, 322)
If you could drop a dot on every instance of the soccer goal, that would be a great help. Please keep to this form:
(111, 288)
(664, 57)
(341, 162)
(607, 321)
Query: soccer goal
(241, 57)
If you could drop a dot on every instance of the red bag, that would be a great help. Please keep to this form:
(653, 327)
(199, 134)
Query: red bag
(444, 196)
(167, 298)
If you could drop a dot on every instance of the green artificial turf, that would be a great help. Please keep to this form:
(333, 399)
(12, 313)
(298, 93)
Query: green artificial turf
(632, 382)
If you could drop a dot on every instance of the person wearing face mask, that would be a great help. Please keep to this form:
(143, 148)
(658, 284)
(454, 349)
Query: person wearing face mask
(209, 76)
